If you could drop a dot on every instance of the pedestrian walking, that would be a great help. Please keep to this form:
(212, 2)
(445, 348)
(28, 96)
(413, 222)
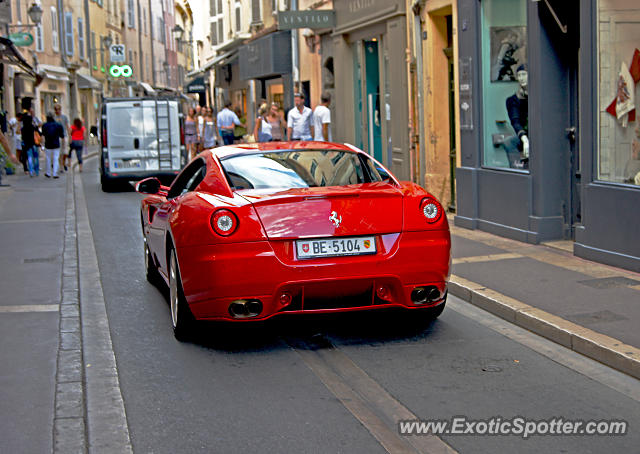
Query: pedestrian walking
(15, 124)
(277, 122)
(77, 141)
(191, 133)
(299, 124)
(30, 149)
(64, 122)
(227, 120)
(200, 117)
(209, 129)
(53, 133)
(262, 128)
(322, 119)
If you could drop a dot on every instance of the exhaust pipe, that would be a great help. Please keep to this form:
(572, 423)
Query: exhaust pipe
(424, 295)
(245, 308)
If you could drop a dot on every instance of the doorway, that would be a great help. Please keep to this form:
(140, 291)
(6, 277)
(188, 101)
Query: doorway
(562, 23)
(372, 98)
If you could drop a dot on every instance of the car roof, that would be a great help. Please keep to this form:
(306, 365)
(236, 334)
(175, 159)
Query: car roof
(252, 148)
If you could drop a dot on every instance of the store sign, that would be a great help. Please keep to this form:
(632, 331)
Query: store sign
(21, 39)
(121, 71)
(196, 86)
(117, 53)
(288, 20)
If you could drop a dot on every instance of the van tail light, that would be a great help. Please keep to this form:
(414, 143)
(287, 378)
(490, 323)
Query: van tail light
(224, 222)
(431, 209)
(104, 133)
(181, 133)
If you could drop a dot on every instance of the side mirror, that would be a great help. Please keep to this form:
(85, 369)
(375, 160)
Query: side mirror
(148, 186)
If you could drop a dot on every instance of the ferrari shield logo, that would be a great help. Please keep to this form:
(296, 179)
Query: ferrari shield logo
(305, 247)
(367, 244)
(335, 219)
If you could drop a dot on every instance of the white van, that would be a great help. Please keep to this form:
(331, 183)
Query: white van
(141, 137)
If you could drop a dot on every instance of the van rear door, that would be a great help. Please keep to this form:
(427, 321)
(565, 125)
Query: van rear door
(161, 135)
(125, 131)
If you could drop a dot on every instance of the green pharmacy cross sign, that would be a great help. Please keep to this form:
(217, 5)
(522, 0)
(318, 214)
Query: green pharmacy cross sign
(22, 39)
(120, 71)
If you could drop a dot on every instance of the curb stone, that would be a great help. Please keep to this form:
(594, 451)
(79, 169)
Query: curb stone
(602, 348)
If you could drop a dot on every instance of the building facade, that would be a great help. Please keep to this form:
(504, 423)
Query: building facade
(371, 81)
(580, 179)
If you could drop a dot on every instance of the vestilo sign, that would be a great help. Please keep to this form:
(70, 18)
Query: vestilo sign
(288, 20)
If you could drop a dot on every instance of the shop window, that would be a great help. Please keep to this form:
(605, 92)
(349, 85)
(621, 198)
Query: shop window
(505, 84)
(619, 89)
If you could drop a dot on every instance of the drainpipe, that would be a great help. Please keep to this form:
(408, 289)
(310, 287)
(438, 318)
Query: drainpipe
(417, 32)
(153, 59)
(140, 56)
(294, 53)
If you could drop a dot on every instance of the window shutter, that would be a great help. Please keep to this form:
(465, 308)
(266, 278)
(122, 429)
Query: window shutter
(214, 33)
(221, 31)
(55, 45)
(68, 32)
(238, 19)
(131, 14)
(255, 12)
(80, 38)
(39, 43)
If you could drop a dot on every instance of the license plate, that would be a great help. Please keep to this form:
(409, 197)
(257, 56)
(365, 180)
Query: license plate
(335, 247)
(133, 164)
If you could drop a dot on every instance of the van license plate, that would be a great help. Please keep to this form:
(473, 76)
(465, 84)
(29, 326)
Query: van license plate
(133, 164)
(335, 247)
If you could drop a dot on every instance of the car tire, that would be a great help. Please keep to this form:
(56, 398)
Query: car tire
(434, 312)
(181, 317)
(106, 184)
(150, 267)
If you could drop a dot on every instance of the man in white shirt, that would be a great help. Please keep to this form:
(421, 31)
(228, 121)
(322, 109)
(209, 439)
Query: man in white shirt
(299, 124)
(226, 119)
(322, 119)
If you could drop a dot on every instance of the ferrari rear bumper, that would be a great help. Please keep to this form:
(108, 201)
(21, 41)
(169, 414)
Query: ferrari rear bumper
(215, 276)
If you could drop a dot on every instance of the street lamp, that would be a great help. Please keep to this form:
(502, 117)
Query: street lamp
(35, 14)
(107, 41)
(178, 32)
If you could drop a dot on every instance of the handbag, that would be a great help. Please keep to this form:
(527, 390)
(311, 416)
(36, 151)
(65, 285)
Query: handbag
(37, 137)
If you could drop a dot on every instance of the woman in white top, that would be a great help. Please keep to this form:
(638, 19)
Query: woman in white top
(262, 128)
(209, 129)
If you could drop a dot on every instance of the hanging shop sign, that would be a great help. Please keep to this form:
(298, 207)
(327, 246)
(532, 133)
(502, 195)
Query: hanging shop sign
(120, 71)
(21, 39)
(117, 53)
(288, 20)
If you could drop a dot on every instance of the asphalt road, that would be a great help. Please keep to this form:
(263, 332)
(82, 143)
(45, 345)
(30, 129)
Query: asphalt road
(297, 385)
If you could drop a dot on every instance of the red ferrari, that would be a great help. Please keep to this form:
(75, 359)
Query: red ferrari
(247, 232)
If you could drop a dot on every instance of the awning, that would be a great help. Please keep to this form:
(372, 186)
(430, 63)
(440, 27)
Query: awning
(86, 82)
(219, 59)
(197, 85)
(9, 54)
(54, 72)
(147, 88)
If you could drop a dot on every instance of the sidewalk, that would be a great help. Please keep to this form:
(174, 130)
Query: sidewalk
(32, 229)
(592, 308)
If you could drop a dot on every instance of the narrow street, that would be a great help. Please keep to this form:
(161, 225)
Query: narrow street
(280, 387)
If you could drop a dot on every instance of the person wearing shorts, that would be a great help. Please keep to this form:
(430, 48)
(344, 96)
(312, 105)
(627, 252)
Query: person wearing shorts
(77, 141)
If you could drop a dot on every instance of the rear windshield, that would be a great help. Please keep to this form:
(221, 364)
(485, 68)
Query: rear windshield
(299, 169)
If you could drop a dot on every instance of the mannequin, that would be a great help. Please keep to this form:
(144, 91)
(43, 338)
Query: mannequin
(517, 148)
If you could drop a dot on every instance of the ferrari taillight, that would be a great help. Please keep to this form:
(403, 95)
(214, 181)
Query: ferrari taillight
(431, 209)
(224, 222)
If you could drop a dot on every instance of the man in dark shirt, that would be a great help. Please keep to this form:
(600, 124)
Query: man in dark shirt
(52, 132)
(28, 144)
